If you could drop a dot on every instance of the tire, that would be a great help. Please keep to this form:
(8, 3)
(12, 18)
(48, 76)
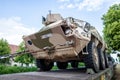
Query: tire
(62, 65)
(101, 59)
(91, 60)
(106, 60)
(38, 63)
(44, 65)
(74, 64)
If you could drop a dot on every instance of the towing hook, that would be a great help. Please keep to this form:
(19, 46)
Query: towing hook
(48, 48)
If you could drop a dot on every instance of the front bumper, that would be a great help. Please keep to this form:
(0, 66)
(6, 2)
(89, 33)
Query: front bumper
(63, 54)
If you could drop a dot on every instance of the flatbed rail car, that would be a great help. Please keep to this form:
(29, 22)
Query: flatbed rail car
(67, 74)
(106, 74)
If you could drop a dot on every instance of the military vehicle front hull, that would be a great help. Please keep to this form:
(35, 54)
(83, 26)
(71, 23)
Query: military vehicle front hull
(52, 43)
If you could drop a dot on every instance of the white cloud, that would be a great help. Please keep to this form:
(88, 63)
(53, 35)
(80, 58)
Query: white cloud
(116, 2)
(62, 6)
(89, 5)
(63, 0)
(70, 6)
(1, 33)
(12, 29)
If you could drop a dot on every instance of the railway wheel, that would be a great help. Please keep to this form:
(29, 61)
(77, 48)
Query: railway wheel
(44, 65)
(91, 60)
(62, 65)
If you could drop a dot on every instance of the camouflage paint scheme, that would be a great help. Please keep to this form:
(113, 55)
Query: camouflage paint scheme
(61, 39)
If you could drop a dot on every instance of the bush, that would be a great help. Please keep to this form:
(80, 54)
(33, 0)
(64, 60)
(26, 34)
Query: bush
(15, 69)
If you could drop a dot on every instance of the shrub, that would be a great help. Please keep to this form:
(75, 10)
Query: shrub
(4, 69)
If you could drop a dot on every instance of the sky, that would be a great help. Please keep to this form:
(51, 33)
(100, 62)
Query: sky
(24, 17)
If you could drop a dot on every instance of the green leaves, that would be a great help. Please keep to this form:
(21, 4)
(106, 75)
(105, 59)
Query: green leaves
(112, 15)
(5, 69)
(4, 49)
(111, 21)
(24, 58)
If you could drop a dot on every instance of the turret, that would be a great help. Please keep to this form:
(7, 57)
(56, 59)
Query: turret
(51, 18)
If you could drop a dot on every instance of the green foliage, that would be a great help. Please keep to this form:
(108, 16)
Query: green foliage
(15, 69)
(111, 21)
(24, 58)
(4, 49)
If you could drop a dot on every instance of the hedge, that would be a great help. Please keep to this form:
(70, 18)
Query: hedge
(15, 69)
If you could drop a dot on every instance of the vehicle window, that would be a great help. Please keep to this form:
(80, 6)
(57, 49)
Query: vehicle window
(80, 23)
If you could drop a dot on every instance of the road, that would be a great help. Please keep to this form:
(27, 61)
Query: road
(70, 74)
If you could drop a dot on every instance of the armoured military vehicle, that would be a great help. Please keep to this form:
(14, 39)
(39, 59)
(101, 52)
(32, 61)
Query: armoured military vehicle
(67, 40)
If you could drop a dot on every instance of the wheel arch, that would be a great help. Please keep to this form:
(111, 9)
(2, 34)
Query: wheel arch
(98, 43)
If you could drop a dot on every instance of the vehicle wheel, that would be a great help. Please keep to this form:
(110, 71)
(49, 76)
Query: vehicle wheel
(92, 60)
(62, 65)
(101, 59)
(38, 63)
(44, 65)
(74, 64)
(106, 60)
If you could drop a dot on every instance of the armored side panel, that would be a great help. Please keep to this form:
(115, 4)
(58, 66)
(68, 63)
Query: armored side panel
(95, 33)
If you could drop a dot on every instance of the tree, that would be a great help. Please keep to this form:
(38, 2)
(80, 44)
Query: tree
(4, 49)
(25, 58)
(111, 21)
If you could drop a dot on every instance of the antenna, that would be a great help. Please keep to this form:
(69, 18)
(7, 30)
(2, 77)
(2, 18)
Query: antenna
(50, 12)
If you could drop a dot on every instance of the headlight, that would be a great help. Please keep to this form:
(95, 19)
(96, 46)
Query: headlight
(68, 31)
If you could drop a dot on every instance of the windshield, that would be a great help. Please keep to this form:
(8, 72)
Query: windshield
(81, 23)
